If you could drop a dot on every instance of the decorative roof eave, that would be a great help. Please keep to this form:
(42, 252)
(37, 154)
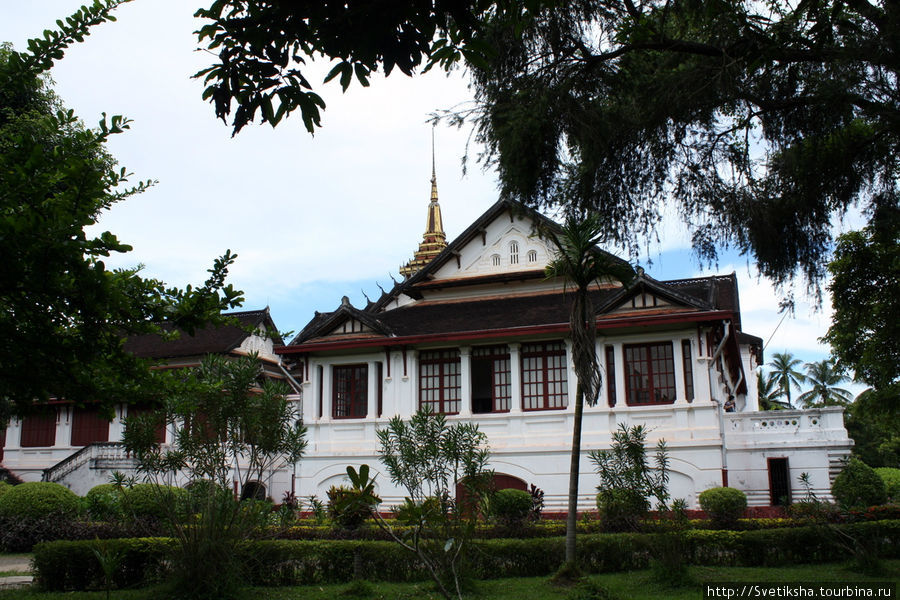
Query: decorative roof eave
(644, 282)
(493, 334)
(481, 280)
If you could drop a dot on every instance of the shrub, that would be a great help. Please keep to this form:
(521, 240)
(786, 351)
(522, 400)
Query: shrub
(104, 502)
(4, 487)
(510, 506)
(343, 511)
(890, 477)
(858, 486)
(150, 501)
(815, 510)
(724, 505)
(621, 509)
(38, 499)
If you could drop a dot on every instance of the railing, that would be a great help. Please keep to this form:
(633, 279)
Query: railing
(810, 424)
(95, 451)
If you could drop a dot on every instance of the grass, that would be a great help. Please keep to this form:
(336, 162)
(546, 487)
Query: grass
(637, 585)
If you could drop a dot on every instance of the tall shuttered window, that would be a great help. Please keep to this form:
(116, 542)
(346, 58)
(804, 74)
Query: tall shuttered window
(491, 381)
(440, 381)
(544, 376)
(610, 375)
(38, 430)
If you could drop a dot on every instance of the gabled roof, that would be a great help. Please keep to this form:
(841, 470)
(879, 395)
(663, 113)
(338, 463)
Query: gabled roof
(325, 323)
(644, 283)
(409, 286)
(208, 340)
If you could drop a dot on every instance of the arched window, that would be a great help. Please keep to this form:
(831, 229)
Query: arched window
(253, 490)
(495, 260)
(532, 256)
(514, 253)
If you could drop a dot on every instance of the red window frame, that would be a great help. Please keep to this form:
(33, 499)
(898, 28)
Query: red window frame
(649, 374)
(440, 381)
(545, 376)
(38, 430)
(350, 391)
(501, 375)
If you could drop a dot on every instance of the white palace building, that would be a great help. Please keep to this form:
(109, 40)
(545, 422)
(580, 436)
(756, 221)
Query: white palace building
(478, 332)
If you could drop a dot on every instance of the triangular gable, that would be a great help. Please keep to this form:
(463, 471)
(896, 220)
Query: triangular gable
(500, 243)
(647, 294)
(346, 321)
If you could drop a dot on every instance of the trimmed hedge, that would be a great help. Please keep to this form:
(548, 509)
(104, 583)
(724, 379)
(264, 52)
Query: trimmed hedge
(73, 566)
(37, 499)
(890, 477)
(724, 505)
(857, 486)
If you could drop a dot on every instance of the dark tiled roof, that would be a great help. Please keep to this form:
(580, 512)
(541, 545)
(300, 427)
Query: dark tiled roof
(209, 340)
(436, 318)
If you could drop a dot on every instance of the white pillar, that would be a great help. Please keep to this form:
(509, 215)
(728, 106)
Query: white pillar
(13, 434)
(515, 378)
(63, 426)
(621, 392)
(465, 381)
(571, 378)
(374, 384)
(678, 357)
(326, 393)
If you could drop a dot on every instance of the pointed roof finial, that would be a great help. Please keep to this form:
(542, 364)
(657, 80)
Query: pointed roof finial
(434, 194)
(434, 240)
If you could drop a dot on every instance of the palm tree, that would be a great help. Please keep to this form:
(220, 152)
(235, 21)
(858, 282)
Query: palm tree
(581, 264)
(825, 376)
(784, 370)
(768, 391)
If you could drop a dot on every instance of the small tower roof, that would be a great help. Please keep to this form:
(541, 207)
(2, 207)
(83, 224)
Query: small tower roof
(433, 240)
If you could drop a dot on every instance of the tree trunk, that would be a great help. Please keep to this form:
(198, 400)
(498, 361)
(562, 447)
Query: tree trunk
(574, 469)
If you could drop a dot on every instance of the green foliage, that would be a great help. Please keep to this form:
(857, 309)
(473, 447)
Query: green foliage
(4, 487)
(858, 486)
(64, 313)
(104, 502)
(39, 499)
(891, 479)
(865, 290)
(583, 105)
(627, 481)
(784, 371)
(429, 459)
(262, 51)
(72, 565)
(511, 507)
(346, 508)
(724, 505)
(824, 376)
(151, 501)
(873, 422)
(230, 421)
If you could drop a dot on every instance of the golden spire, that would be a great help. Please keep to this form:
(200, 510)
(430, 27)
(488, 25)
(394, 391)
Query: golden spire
(434, 240)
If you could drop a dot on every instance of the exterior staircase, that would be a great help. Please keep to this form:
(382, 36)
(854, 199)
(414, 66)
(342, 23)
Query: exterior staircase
(90, 466)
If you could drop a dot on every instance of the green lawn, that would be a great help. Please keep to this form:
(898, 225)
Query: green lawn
(633, 585)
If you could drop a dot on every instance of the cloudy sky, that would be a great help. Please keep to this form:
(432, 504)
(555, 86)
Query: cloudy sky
(311, 218)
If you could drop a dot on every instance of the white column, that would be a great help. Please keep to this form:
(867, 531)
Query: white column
(63, 426)
(412, 373)
(117, 425)
(571, 378)
(465, 381)
(374, 384)
(678, 357)
(621, 397)
(326, 393)
(515, 378)
(13, 434)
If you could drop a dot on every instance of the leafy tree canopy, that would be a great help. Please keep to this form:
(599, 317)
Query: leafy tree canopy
(63, 314)
(758, 122)
(865, 289)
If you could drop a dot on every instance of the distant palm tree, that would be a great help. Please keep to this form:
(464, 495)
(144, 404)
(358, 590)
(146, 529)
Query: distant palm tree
(825, 376)
(768, 391)
(784, 370)
(581, 264)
